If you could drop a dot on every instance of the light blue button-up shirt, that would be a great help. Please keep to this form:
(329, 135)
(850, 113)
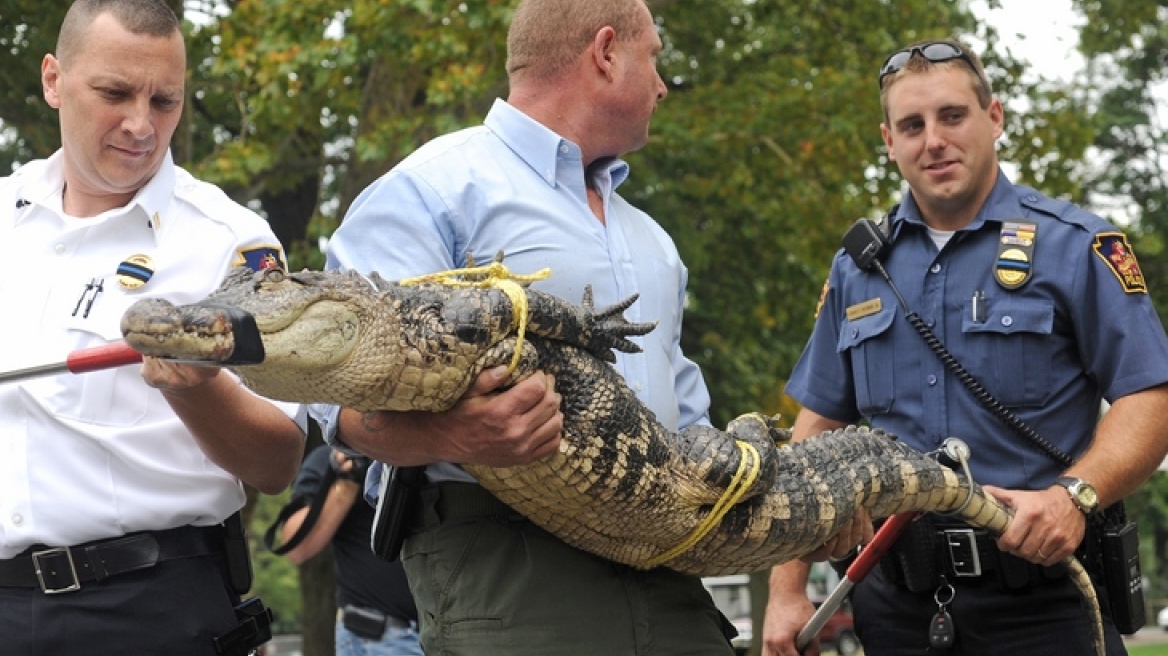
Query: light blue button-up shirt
(514, 186)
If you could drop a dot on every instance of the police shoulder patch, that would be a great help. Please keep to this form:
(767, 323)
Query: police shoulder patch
(823, 295)
(258, 258)
(1115, 251)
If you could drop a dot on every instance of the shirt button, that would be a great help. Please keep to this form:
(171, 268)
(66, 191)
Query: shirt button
(932, 380)
(936, 268)
(855, 333)
(931, 322)
(563, 148)
(638, 387)
(17, 519)
(60, 249)
(1007, 321)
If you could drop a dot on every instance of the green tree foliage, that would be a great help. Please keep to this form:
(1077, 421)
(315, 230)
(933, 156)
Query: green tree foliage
(28, 30)
(1126, 43)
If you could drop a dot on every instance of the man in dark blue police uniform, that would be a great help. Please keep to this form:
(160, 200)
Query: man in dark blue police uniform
(1044, 305)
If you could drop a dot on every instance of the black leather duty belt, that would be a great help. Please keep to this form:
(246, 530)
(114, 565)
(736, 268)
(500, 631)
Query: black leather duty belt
(63, 569)
(973, 553)
(456, 501)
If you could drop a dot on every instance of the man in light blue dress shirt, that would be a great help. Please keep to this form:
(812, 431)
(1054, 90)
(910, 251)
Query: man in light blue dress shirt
(536, 182)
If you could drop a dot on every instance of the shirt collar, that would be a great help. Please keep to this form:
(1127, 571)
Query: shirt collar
(1001, 205)
(152, 201)
(542, 149)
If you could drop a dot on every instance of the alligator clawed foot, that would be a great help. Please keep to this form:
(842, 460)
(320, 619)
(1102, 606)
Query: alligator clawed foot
(610, 328)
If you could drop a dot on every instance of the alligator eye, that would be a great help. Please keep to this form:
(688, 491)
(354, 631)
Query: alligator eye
(275, 274)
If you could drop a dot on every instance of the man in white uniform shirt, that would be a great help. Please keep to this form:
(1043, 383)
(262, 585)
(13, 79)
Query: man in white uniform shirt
(115, 486)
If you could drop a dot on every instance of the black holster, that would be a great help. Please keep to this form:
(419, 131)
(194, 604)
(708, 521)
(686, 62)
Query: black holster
(363, 622)
(253, 630)
(238, 554)
(400, 487)
(912, 561)
(1118, 563)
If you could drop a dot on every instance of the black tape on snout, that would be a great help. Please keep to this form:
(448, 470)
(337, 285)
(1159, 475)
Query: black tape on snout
(249, 344)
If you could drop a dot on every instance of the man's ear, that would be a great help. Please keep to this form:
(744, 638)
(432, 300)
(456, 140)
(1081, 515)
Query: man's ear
(997, 117)
(603, 49)
(886, 134)
(50, 79)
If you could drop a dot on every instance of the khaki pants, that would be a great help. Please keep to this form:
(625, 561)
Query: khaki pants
(498, 585)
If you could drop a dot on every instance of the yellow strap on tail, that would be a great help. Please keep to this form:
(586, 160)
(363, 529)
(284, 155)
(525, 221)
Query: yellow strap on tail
(748, 469)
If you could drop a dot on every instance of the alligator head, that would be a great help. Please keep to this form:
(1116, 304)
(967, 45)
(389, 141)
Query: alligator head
(309, 322)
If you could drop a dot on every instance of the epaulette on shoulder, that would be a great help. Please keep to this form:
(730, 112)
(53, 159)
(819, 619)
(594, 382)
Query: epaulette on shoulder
(1063, 210)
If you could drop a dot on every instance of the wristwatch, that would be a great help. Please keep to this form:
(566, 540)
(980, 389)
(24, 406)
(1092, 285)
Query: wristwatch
(1082, 493)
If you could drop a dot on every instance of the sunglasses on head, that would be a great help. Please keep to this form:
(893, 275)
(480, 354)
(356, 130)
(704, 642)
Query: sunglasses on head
(936, 52)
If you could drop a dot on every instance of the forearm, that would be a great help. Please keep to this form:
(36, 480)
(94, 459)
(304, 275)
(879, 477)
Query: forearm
(341, 496)
(396, 438)
(498, 429)
(808, 424)
(1130, 443)
(242, 433)
(789, 580)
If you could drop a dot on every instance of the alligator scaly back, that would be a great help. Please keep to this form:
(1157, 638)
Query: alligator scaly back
(701, 501)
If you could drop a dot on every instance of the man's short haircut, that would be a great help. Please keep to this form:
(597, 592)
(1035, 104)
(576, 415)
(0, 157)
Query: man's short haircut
(546, 36)
(919, 64)
(149, 17)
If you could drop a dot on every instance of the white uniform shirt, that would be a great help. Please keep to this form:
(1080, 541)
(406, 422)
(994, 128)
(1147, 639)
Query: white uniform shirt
(96, 455)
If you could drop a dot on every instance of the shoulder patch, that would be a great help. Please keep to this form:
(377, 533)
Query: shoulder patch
(258, 258)
(1117, 254)
(822, 295)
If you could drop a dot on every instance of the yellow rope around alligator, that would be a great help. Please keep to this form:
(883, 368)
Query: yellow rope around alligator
(748, 468)
(498, 276)
(492, 275)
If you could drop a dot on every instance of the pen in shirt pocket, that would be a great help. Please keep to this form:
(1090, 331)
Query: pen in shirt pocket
(977, 307)
(88, 296)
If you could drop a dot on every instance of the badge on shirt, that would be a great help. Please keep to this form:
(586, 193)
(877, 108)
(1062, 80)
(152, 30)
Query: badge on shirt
(259, 258)
(135, 271)
(1117, 254)
(1015, 254)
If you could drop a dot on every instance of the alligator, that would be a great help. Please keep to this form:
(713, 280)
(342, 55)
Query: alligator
(701, 500)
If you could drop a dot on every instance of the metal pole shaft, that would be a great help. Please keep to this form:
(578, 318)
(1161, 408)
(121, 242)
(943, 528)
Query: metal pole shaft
(79, 362)
(860, 567)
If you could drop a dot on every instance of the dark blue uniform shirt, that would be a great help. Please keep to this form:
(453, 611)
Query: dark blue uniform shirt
(1079, 330)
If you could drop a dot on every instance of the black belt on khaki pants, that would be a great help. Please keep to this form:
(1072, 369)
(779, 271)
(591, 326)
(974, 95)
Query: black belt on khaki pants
(453, 501)
(63, 569)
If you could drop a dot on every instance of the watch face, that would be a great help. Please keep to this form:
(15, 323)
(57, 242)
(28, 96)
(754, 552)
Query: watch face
(1088, 496)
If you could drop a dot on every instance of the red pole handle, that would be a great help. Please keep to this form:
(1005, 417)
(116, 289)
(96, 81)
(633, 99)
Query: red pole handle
(101, 357)
(860, 567)
(880, 544)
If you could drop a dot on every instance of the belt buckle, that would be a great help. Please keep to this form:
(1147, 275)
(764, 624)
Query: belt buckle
(962, 544)
(36, 561)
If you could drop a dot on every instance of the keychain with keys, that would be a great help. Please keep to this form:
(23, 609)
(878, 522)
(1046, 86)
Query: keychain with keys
(941, 629)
